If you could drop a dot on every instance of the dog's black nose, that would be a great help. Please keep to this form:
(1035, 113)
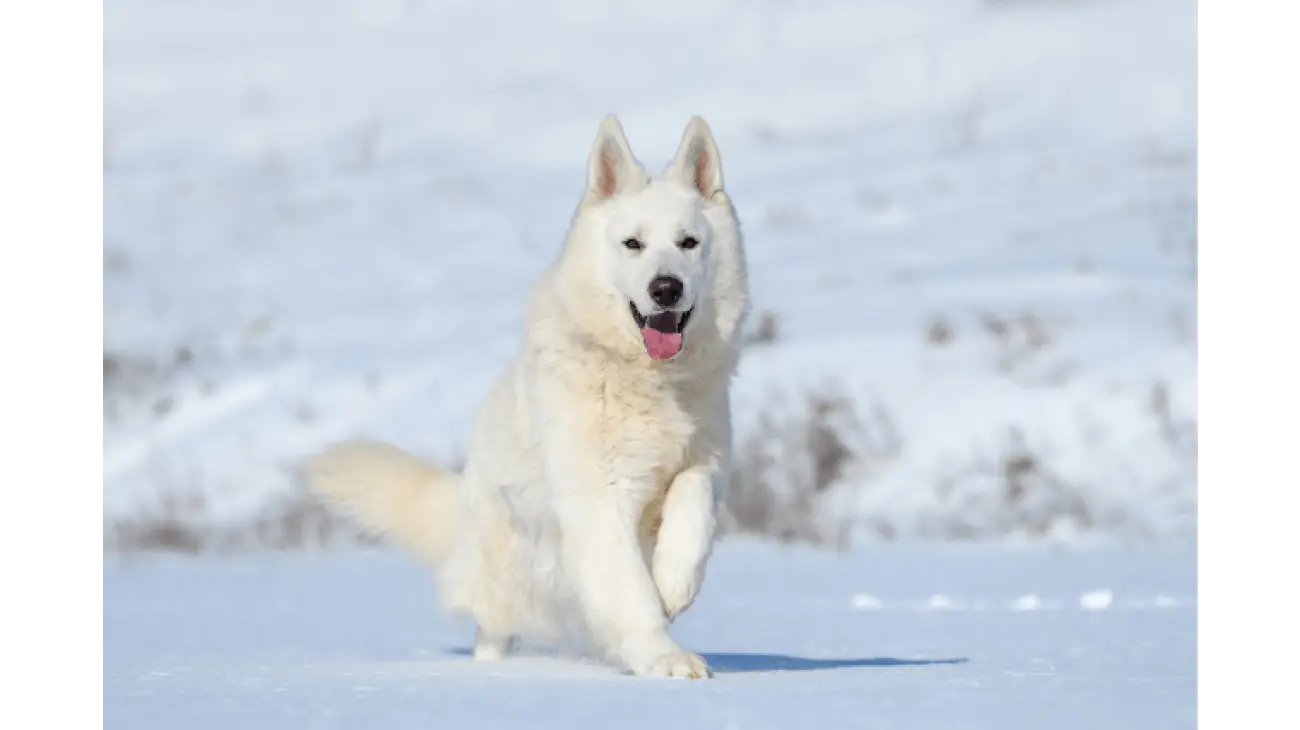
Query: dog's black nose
(666, 290)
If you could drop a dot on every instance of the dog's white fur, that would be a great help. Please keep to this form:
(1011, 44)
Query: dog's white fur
(594, 472)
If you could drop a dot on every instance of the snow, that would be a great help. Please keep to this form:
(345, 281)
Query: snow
(973, 220)
(1096, 600)
(976, 218)
(356, 640)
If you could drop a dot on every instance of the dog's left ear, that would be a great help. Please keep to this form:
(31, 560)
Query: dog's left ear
(697, 162)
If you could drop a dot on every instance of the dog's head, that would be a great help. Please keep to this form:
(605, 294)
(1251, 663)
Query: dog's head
(664, 250)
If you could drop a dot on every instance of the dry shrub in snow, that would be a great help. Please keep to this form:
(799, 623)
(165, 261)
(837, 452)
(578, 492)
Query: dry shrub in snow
(294, 521)
(791, 474)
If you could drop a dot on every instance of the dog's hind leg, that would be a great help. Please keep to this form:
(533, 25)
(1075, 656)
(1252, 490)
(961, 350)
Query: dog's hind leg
(491, 647)
(487, 578)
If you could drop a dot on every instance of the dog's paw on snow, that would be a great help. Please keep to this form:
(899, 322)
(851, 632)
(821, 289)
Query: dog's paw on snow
(679, 665)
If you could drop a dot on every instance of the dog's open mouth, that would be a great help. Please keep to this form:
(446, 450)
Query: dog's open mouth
(661, 332)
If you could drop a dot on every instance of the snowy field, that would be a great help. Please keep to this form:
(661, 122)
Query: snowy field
(972, 222)
(895, 637)
(971, 228)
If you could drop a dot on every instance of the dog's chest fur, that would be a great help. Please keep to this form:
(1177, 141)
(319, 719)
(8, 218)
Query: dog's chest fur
(645, 428)
(650, 428)
(655, 436)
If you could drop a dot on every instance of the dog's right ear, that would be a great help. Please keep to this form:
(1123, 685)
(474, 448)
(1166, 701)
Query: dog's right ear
(612, 168)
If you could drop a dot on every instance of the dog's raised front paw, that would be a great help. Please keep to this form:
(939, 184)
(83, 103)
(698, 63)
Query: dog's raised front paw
(677, 589)
(679, 665)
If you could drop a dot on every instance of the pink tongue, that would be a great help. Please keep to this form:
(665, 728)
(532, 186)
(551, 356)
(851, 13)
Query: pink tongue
(661, 345)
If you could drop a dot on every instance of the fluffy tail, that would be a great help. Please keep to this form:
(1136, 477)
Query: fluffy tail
(390, 493)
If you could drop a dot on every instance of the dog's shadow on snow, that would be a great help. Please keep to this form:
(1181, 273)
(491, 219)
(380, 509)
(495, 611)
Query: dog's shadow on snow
(740, 663)
(734, 663)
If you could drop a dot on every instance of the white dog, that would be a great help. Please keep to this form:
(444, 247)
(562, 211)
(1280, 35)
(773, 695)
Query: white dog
(599, 457)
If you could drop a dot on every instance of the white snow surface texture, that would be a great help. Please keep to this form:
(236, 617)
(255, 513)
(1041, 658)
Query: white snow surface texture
(938, 636)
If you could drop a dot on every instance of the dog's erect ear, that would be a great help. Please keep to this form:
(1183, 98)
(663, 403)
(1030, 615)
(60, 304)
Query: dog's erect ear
(697, 162)
(612, 168)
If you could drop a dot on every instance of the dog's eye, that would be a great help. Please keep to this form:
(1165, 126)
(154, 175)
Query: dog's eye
(688, 243)
(633, 244)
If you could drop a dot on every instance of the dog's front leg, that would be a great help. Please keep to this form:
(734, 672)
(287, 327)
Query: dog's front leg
(685, 537)
(603, 556)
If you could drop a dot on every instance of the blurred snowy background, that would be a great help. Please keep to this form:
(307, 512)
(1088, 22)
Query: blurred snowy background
(971, 228)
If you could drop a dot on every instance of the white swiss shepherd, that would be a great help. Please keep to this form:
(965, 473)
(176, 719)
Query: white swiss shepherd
(598, 459)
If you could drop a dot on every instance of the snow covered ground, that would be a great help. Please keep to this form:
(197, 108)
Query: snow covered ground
(974, 219)
(971, 222)
(891, 637)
